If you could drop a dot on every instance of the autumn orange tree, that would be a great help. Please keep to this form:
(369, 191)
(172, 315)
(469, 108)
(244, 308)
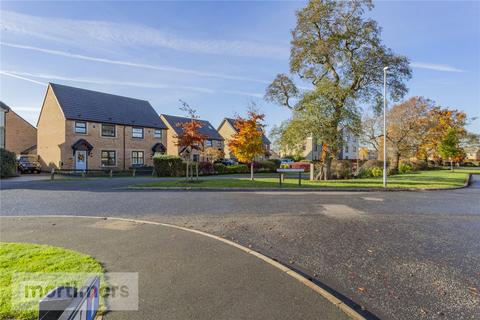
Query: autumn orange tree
(246, 143)
(190, 138)
(441, 120)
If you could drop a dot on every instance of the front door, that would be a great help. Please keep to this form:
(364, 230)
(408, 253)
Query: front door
(81, 160)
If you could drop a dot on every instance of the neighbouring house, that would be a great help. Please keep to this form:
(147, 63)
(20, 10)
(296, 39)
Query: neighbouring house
(309, 150)
(4, 109)
(18, 136)
(213, 138)
(472, 153)
(350, 148)
(87, 130)
(227, 130)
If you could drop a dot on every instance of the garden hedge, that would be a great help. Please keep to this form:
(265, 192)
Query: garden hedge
(167, 166)
(8, 165)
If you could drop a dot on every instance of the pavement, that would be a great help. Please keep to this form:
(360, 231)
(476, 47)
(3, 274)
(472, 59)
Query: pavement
(182, 275)
(400, 255)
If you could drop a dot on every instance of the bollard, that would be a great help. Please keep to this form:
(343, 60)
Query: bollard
(311, 171)
(133, 172)
(83, 174)
(52, 174)
(111, 173)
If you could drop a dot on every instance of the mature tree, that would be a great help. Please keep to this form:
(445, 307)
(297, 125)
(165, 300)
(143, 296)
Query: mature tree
(372, 129)
(407, 124)
(449, 147)
(246, 143)
(190, 138)
(338, 50)
(213, 154)
(440, 121)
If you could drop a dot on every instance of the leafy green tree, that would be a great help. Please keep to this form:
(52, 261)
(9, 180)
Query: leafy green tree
(449, 147)
(338, 50)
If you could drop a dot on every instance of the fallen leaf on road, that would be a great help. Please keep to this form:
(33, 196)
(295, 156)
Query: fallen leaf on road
(370, 251)
(361, 289)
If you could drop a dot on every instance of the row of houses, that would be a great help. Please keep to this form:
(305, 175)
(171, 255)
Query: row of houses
(86, 130)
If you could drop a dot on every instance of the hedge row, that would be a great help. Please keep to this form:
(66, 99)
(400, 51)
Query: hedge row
(173, 166)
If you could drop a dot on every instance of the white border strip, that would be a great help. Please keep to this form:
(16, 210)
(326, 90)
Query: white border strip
(325, 294)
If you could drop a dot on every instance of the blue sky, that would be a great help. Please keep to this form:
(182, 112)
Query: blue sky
(217, 56)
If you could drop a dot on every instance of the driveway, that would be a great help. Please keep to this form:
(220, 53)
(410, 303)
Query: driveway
(402, 255)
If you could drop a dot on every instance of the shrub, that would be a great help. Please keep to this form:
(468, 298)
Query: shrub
(8, 164)
(238, 168)
(405, 167)
(277, 162)
(365, 170)
(301, 165)
(285, 166)
(219, 168)
(167, 166)
(266, 166)
(420, 165)
(205, 168)
(377, 172)
(341, 169)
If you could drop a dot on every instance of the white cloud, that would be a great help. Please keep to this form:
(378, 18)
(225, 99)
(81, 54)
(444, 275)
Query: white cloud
(131, 64)
(435, 67)
(50, 77)
(12, 75)
(129, 35)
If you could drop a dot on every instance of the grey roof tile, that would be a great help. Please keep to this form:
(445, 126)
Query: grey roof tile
(207, 129)
(88, 105)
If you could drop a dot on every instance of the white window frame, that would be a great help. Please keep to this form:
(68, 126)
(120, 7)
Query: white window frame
(157, 133)
(138, 128)
(143, 158)
(75, 127)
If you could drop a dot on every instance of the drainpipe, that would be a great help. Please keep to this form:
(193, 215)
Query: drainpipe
(124, 152)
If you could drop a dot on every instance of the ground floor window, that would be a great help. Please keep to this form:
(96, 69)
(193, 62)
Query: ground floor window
(109, 158)
(137, 158)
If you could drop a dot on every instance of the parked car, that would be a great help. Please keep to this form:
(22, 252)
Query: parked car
(286, 161)
(227, 162)
(28, 163)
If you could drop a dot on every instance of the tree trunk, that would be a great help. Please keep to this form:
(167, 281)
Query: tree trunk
(397, 161)
(451, 164)
(251, 170)
(186, 171)
(328, 167)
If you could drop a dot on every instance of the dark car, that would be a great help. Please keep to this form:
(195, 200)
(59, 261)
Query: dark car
(28, 163)
(227, 162)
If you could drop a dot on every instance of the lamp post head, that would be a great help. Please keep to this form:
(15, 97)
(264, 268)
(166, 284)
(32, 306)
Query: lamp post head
(385, 69)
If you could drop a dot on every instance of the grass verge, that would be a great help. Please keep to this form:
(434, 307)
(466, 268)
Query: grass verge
(433, 179)
(27, 257)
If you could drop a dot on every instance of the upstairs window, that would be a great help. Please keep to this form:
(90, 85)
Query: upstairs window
(80, 127)
(108, 130)
(137, 133)
(158, 134)
(208, 143)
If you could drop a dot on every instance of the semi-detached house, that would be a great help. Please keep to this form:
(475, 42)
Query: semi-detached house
(84, 130)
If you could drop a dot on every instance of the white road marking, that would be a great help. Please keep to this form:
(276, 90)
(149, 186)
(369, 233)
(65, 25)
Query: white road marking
(372, 199)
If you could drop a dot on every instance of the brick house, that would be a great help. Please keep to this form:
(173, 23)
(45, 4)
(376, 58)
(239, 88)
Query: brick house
(16, 134)
(214, 139)
(86, 130)
(227, 129)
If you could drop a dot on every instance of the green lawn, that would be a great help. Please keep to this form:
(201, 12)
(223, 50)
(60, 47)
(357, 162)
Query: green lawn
(26, 257)
(421, 180)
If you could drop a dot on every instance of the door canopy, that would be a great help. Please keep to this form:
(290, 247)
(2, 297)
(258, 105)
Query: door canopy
(82, 145)
(159, 147)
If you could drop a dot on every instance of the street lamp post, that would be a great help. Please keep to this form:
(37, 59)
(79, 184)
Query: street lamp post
(385, 127)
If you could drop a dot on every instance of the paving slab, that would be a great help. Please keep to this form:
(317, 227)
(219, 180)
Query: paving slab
(182, 275)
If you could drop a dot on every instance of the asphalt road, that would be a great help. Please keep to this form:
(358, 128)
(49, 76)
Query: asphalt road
(181, 275)
(402, 255)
